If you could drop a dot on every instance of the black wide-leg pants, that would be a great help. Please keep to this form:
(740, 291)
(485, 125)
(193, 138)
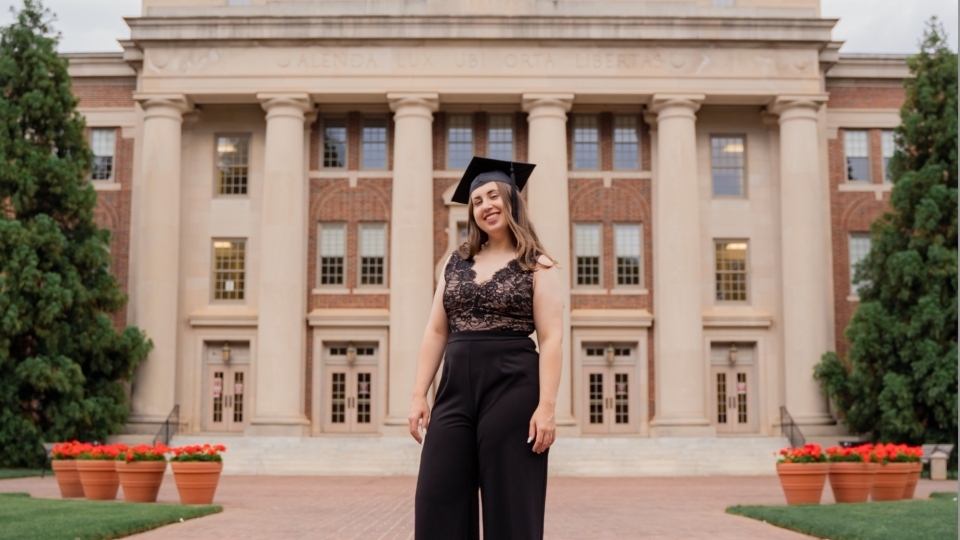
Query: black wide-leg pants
(477, 440)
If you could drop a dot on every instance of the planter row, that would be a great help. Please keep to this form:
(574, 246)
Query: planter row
(100, 479)
(850, 482)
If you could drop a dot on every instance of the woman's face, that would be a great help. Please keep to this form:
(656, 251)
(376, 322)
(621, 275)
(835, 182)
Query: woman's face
(488, 209)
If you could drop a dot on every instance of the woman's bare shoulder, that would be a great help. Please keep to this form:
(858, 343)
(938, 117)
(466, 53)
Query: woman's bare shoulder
(545, 262)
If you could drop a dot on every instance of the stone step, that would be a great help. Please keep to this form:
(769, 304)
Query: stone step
(582, 456)
(130, 439)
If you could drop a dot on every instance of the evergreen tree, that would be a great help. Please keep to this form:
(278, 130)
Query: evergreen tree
(62, 361)
(899, 379)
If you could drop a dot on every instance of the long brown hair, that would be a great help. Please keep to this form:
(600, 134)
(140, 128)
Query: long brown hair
(522, 233)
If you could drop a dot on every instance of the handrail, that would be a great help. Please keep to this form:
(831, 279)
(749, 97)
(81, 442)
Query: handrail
(170, 427)
(790, 429)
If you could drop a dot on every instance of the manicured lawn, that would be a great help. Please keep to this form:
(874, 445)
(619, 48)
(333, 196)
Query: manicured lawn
(931, 519)
(26, 518)
(18, 473)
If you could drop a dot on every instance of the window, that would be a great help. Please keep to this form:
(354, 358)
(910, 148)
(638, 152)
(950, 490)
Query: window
(334, 143)
(586, 142)
(626, 245)
(373, 251)
(859, 248)
(726, 157)
(731, 276)
(500, 137)
(459, 140)
(233, 164)
(333, 242)
(626, 142)
(229, 269)
(887, 147)
(857, 150)
(461, 233)
(374, 137)
(103, 143)
(587, 245)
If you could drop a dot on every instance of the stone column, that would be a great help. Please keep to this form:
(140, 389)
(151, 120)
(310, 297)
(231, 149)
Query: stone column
(158, 260)
(678, 317)
(411, 244)
(281, 335)
(549, 205)
(805, 246)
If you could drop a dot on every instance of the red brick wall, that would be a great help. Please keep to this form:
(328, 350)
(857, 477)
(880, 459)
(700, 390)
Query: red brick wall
(354, 128)
(100, 93)
(865, 97)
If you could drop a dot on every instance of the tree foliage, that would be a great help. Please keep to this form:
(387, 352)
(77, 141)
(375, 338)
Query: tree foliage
(62, 362)
(899, 379)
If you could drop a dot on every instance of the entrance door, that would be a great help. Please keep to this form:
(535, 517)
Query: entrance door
(227, 389)
(350, 388)
(611, 393)
(734, 391)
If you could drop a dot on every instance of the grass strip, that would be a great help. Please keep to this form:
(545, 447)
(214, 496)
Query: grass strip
(932, 519)
(25, 518)
(949, 495)
(18, 473)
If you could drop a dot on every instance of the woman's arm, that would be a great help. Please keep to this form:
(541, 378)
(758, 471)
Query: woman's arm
(548, 319)
(431, 351)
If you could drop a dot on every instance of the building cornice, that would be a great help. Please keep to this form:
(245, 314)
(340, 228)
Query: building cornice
(109, 64)
(714, 30)
(870, 66)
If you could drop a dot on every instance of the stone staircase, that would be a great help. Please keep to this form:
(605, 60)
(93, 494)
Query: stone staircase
(581, 456)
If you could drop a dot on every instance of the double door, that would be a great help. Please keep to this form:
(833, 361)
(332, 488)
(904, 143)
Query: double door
(226, 398)
(611, 393)
(350, 388)
(734, 391)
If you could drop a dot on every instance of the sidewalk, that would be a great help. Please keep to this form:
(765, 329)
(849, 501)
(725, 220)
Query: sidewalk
(381, 508)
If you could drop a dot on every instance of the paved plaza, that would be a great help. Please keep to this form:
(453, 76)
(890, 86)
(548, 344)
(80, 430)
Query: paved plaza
(381, 508)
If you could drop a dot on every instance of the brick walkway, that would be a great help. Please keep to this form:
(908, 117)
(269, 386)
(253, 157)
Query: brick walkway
(278, 507)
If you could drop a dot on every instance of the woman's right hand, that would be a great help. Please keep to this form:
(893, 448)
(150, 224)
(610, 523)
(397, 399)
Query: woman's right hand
(419, 412)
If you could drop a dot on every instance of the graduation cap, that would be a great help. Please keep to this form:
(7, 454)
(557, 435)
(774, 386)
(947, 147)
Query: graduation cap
(483, 170)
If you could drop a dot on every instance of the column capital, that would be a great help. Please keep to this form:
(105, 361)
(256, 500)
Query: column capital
(172, 106)
(413, 103)
(285, 104)
(537, 105)
(797, 105)
(668, 105)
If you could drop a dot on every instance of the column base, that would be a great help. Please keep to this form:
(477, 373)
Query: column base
(278, 427)
(682, 427)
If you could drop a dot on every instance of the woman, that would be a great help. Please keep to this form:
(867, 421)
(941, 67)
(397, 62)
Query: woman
(493, 418)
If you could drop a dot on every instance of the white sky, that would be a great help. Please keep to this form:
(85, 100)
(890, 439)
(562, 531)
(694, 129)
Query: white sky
(867, 26)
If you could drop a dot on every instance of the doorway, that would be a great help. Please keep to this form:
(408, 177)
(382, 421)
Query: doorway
(733, 387)
(350, 387)
(226, 386)
(611, 388)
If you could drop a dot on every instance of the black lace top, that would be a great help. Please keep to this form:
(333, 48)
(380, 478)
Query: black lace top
(503, 303)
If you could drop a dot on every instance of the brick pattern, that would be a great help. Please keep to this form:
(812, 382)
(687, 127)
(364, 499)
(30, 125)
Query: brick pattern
(101, 93)
(865, 97)
(354, 128)
(850, 212)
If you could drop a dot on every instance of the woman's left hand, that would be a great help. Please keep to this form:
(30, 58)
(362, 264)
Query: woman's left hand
(543, 428)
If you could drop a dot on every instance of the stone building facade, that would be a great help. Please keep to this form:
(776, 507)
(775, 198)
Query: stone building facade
(278, 177)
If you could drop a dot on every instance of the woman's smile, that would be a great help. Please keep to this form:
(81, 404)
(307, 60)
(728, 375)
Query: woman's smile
(491, 218)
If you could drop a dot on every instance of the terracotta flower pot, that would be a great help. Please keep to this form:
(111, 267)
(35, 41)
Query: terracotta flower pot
(803, 482)
(67, 477)
(891, 481)
(912, 478)
(851, 482)
(141, 479)
(196, 480)
(99, 479)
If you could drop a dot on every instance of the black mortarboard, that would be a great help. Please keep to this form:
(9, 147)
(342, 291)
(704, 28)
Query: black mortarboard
(482, 170)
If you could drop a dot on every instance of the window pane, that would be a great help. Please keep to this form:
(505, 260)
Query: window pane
(334, 142)
(103, 145)
(586, 142)
(731, 271)
(233, 164)
(229, 269)
(374, 136)
(500, 137)
(587, 246)
(859, 248)
(857, 150)
(459, 140)
(332, 251)
(888, 146)
(372, 253)
(726, 157)
(626, 142)
(626, 239)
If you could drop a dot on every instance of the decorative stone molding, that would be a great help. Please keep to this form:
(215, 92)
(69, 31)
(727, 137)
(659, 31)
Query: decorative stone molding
(791, 106)
(172, 106)
(294, 105)
(542, 105)
(413, 104)
(611, 318)
(349, 317)
(671, 105)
